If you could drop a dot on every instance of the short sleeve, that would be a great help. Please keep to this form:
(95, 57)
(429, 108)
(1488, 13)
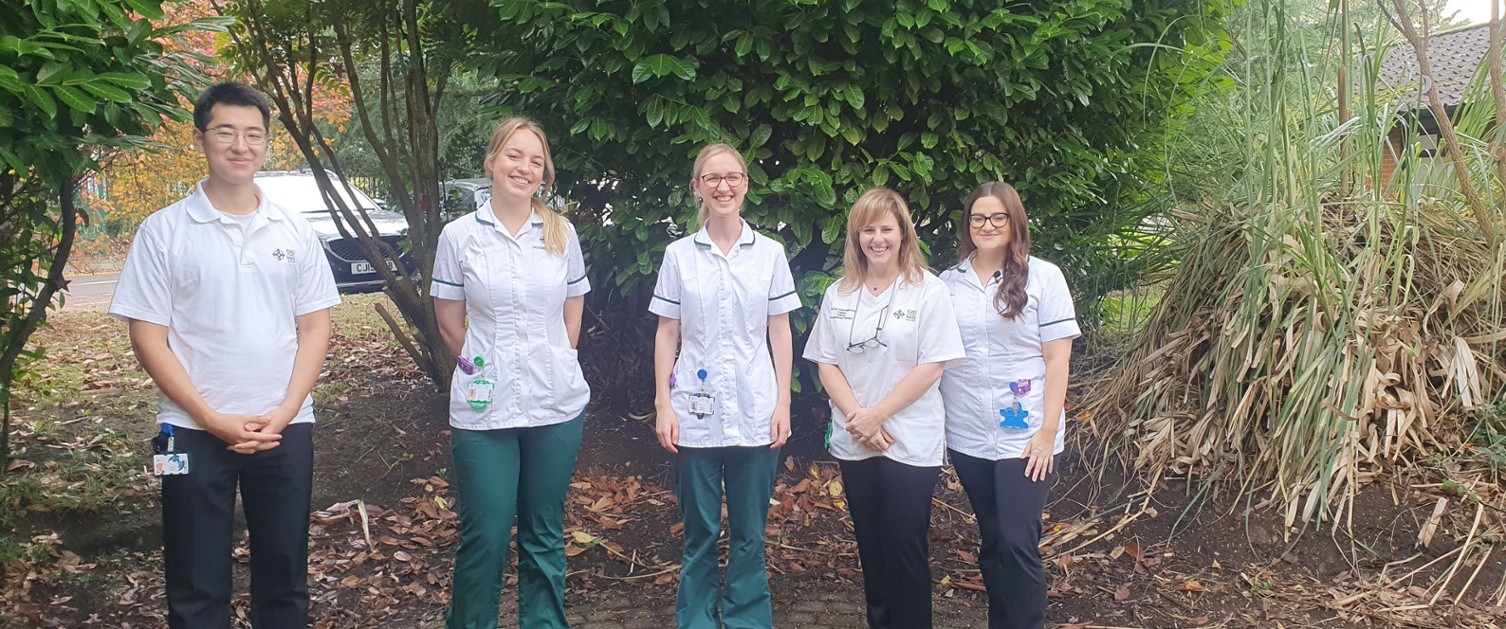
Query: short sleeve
(1055, 312)
(782, 296)
(316, 288)
(449, 279)
(666, 300)
(144, 290)
(821, 347)
(940, 336)
(576, 283)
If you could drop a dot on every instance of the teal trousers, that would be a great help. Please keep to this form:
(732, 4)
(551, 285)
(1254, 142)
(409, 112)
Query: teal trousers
(748, 476)
(521, 473)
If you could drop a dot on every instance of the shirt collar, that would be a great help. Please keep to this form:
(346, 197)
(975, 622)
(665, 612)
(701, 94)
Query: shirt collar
(487, 217)
(702, 239)
(201, 210)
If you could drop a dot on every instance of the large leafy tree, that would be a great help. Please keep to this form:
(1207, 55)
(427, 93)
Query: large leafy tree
(1067, 100)
(77, 80)
(411, 50)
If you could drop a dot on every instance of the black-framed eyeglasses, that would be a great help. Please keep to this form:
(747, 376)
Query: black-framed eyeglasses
(227, 135)
(998, 220)
(733, 180)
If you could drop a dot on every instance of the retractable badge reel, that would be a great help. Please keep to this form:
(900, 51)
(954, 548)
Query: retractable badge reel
(166, 459)
(1015, 415)
(479, 392)
(700, 402)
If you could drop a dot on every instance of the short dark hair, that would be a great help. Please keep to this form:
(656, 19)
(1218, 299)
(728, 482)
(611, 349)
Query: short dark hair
(230, 93)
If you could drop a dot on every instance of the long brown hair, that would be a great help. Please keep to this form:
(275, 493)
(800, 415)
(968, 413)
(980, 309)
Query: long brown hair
(710, 151)
(870, 209)
(555, 232)
(1011, 299)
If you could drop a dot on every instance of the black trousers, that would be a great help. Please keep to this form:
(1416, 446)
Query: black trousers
(891, 516)
(198, 520)
(1008, 506)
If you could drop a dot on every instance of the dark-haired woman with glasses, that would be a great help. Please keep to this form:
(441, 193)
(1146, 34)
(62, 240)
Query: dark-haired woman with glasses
(722, 361)
(1004, 403)
(884, 334)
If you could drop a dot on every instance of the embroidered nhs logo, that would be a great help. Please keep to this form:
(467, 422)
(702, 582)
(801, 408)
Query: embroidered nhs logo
(284, 255)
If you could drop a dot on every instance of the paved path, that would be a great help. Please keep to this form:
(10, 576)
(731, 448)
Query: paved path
(90, 292)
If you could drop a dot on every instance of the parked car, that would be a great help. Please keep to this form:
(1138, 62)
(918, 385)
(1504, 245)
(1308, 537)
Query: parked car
(459, 197)
(299, 192)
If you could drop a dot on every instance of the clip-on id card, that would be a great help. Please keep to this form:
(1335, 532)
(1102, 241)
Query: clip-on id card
(166, 460)
(701, 402)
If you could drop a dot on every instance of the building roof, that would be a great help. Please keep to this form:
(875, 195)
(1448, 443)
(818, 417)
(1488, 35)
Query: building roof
(1454, 57)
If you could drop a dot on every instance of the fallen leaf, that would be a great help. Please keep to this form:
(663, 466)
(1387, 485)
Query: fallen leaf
(1122, 593)
(1192, 586)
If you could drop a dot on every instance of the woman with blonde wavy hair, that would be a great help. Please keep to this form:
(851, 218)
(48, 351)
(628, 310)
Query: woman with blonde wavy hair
(883, 337)
(722, 362)
(514, 269)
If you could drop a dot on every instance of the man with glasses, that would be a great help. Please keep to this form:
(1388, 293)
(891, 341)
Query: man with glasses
(227, 297)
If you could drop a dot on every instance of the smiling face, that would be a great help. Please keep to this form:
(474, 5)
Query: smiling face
(518, 169)
(995, 232)
(234, 162)
(880, 242)
(721, 198)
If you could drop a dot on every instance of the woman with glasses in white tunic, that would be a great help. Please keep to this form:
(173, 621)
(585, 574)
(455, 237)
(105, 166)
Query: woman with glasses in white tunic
(513, 268)
(882, 339)
(1004, 403)
(723, 298)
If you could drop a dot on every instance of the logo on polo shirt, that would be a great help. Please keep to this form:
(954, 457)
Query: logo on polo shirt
(907, 315)
(284, 255)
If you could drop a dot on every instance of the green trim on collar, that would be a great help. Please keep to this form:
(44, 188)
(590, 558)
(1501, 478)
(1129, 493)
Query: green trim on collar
(484, 222)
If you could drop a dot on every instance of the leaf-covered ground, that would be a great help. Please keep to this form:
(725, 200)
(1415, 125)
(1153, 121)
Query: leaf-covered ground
(80, 538)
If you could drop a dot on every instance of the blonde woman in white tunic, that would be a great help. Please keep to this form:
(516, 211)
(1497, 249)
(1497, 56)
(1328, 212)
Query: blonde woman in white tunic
(723, 298)
(882, 339)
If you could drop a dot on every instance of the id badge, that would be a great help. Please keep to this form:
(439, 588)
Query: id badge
(479, 393)
(170, 464)
(700, 404)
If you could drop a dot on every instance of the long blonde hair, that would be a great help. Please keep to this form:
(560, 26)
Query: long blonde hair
(710, 151)
(870, 209)
(555, 231)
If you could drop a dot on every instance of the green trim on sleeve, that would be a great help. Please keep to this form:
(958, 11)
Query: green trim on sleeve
(449, 283)
(667, 299)
(781, 296)
(1056, 322)
(576, 280)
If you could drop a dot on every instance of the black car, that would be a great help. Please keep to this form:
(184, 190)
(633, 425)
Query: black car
(299, 192)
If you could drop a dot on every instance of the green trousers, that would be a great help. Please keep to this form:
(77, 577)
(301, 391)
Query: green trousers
(748, 475)
(499, 475)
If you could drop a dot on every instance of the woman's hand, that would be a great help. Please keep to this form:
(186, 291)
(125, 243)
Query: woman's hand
(1039, 455)
(879, 443)
(667, 426)
(866, 425)
(779, 429)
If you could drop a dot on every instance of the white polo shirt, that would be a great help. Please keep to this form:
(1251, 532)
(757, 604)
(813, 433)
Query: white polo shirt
(1001, 351)
(229, 298)
(514, 291)
(918, 328)
(724, 302)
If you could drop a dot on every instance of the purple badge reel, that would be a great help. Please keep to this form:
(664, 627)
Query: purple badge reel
(1015, 416)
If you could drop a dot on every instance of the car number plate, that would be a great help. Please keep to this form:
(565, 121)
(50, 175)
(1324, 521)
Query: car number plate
(363, 268)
